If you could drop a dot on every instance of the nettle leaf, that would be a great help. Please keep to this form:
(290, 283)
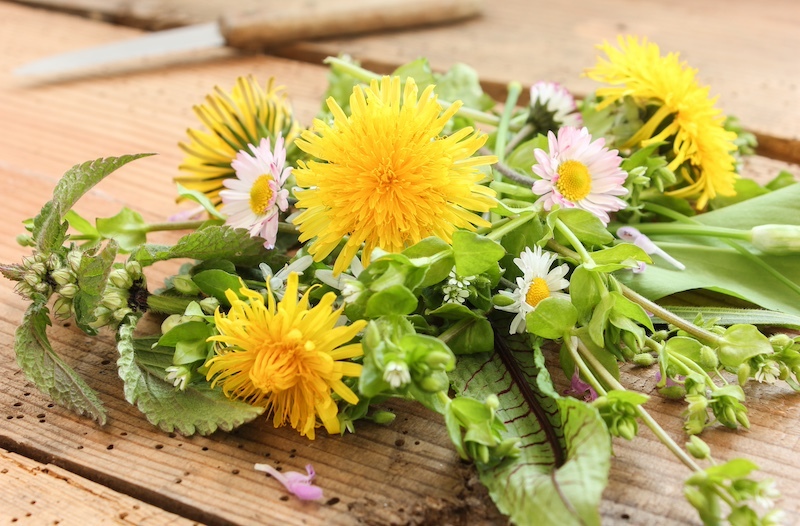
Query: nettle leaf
(49, 230)
(91, 280)
(565, 447)
(195, 410)
(212, 242)
(127, 228)
(48, 371)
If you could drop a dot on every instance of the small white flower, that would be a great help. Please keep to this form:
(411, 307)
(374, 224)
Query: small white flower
(457, 289)
(277, 281)
(554, 98)
(179, 375)
(253, 199)
(767, 493)
(348, 284)
(538, 282)
(768, 372)
(397, 374)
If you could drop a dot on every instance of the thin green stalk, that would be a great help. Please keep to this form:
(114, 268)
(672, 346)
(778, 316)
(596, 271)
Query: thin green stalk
(585, 257)
(518, 137)
(692, 230)
(173, 225)
(497, 233)
(168, 304)
(701, 334)
(648, 420)
(510, 173)
(583, 368)
(514, 89)
(454, 329)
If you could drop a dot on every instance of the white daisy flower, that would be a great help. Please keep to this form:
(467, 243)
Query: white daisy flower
(538, 282)
(558, 104)
(253, 199)
(579, 173)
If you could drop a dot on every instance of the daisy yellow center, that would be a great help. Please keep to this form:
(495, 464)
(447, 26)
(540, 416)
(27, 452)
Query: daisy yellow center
(574, 181)
(537, 292)
(261, 194)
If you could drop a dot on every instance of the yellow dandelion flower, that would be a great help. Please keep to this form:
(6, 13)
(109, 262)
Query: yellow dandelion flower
(233, 120)
(385, 177)
(701, 146)
(286, 357)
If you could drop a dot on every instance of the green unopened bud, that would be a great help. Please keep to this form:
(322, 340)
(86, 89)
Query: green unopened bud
(39, 268)
(728, 416)
(185, 285)
(673, 392)
(69, 290)
(741, 417)
(781, 341)
(492, 402)
(209, 305)
(63, 276)
(171, 322)
(32, 278)
(25, 240)
(102, 317)
(114, 299)
(644, 359)
(42, 288)
(383, 417)
(743, 373)
(62, 308)
(134, 269)
(501, 300)
(119, 278)
(627, 429)
(697, 448)
(776, 239)
(438, 359)
(120, 314)
(696, 498)
(74, 260)
(434, 383)
(708, 358)
(54, 262)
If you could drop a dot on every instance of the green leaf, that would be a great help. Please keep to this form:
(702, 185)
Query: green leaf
(625, 307)
(48, 371)
(396, 299)
(585, 225)
(731, 316)
(588, 295)
(201, 199)
(127, 228)
(212, 242)
(552, 318)
(48, 229)
(475, 254)
(80, 224)
(91, 279)
(782, 180)
(428, 248)
(522, 158)
(741, 342)
(419, 70)
(461, 82)
(195, 410)
(471, 335)
(624, 255)
(215, 283)
(532, 489)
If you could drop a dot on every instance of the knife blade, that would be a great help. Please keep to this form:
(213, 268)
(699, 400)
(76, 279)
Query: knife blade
(292, 22)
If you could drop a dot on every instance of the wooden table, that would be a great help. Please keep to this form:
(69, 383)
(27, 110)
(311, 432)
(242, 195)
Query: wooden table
(57, 468)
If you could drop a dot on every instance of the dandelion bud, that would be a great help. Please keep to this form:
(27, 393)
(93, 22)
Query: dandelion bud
(119, 278)
(63, 276)
(69, 290)
(776, 239)
(62, 308)
(697, 448)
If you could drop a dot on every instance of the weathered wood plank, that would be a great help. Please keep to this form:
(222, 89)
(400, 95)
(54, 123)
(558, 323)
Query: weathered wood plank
(743, 50)
(405, 473)
(36, 493)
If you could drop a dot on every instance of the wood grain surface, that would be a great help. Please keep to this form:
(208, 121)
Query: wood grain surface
(406, 473)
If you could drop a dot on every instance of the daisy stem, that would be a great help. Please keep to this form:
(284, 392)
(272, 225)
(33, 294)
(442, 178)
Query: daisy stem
(644, 416)
(365, 75)
(585, 257)
(518, 137)
(497, 233)
(509, 172)
(514, 89)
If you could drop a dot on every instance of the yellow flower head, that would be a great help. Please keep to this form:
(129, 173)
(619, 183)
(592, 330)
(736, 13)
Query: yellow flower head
(701, 146)
(286, 357)
(233, 120)
(385, 177)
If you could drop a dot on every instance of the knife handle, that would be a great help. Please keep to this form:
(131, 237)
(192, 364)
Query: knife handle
(310, 19)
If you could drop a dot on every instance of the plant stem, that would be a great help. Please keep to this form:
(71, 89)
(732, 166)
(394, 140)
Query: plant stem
(514, 89)
(692, 230)
(454, 329)
(173, 225)
(509, 172)
(585, 257)
(520, 135)
(497, 233)
(168, 304)
(701, 334)
(648, 420)
(583, 368)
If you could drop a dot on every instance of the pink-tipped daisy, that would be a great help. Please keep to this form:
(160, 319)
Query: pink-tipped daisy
(537, 283)
(556, 103)
(579, 173)
(254, 198)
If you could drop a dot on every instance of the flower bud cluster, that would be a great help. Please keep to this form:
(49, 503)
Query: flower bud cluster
(618, 410)
(34, 278)
(482, 439)
(117, 301)
(457, 289)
